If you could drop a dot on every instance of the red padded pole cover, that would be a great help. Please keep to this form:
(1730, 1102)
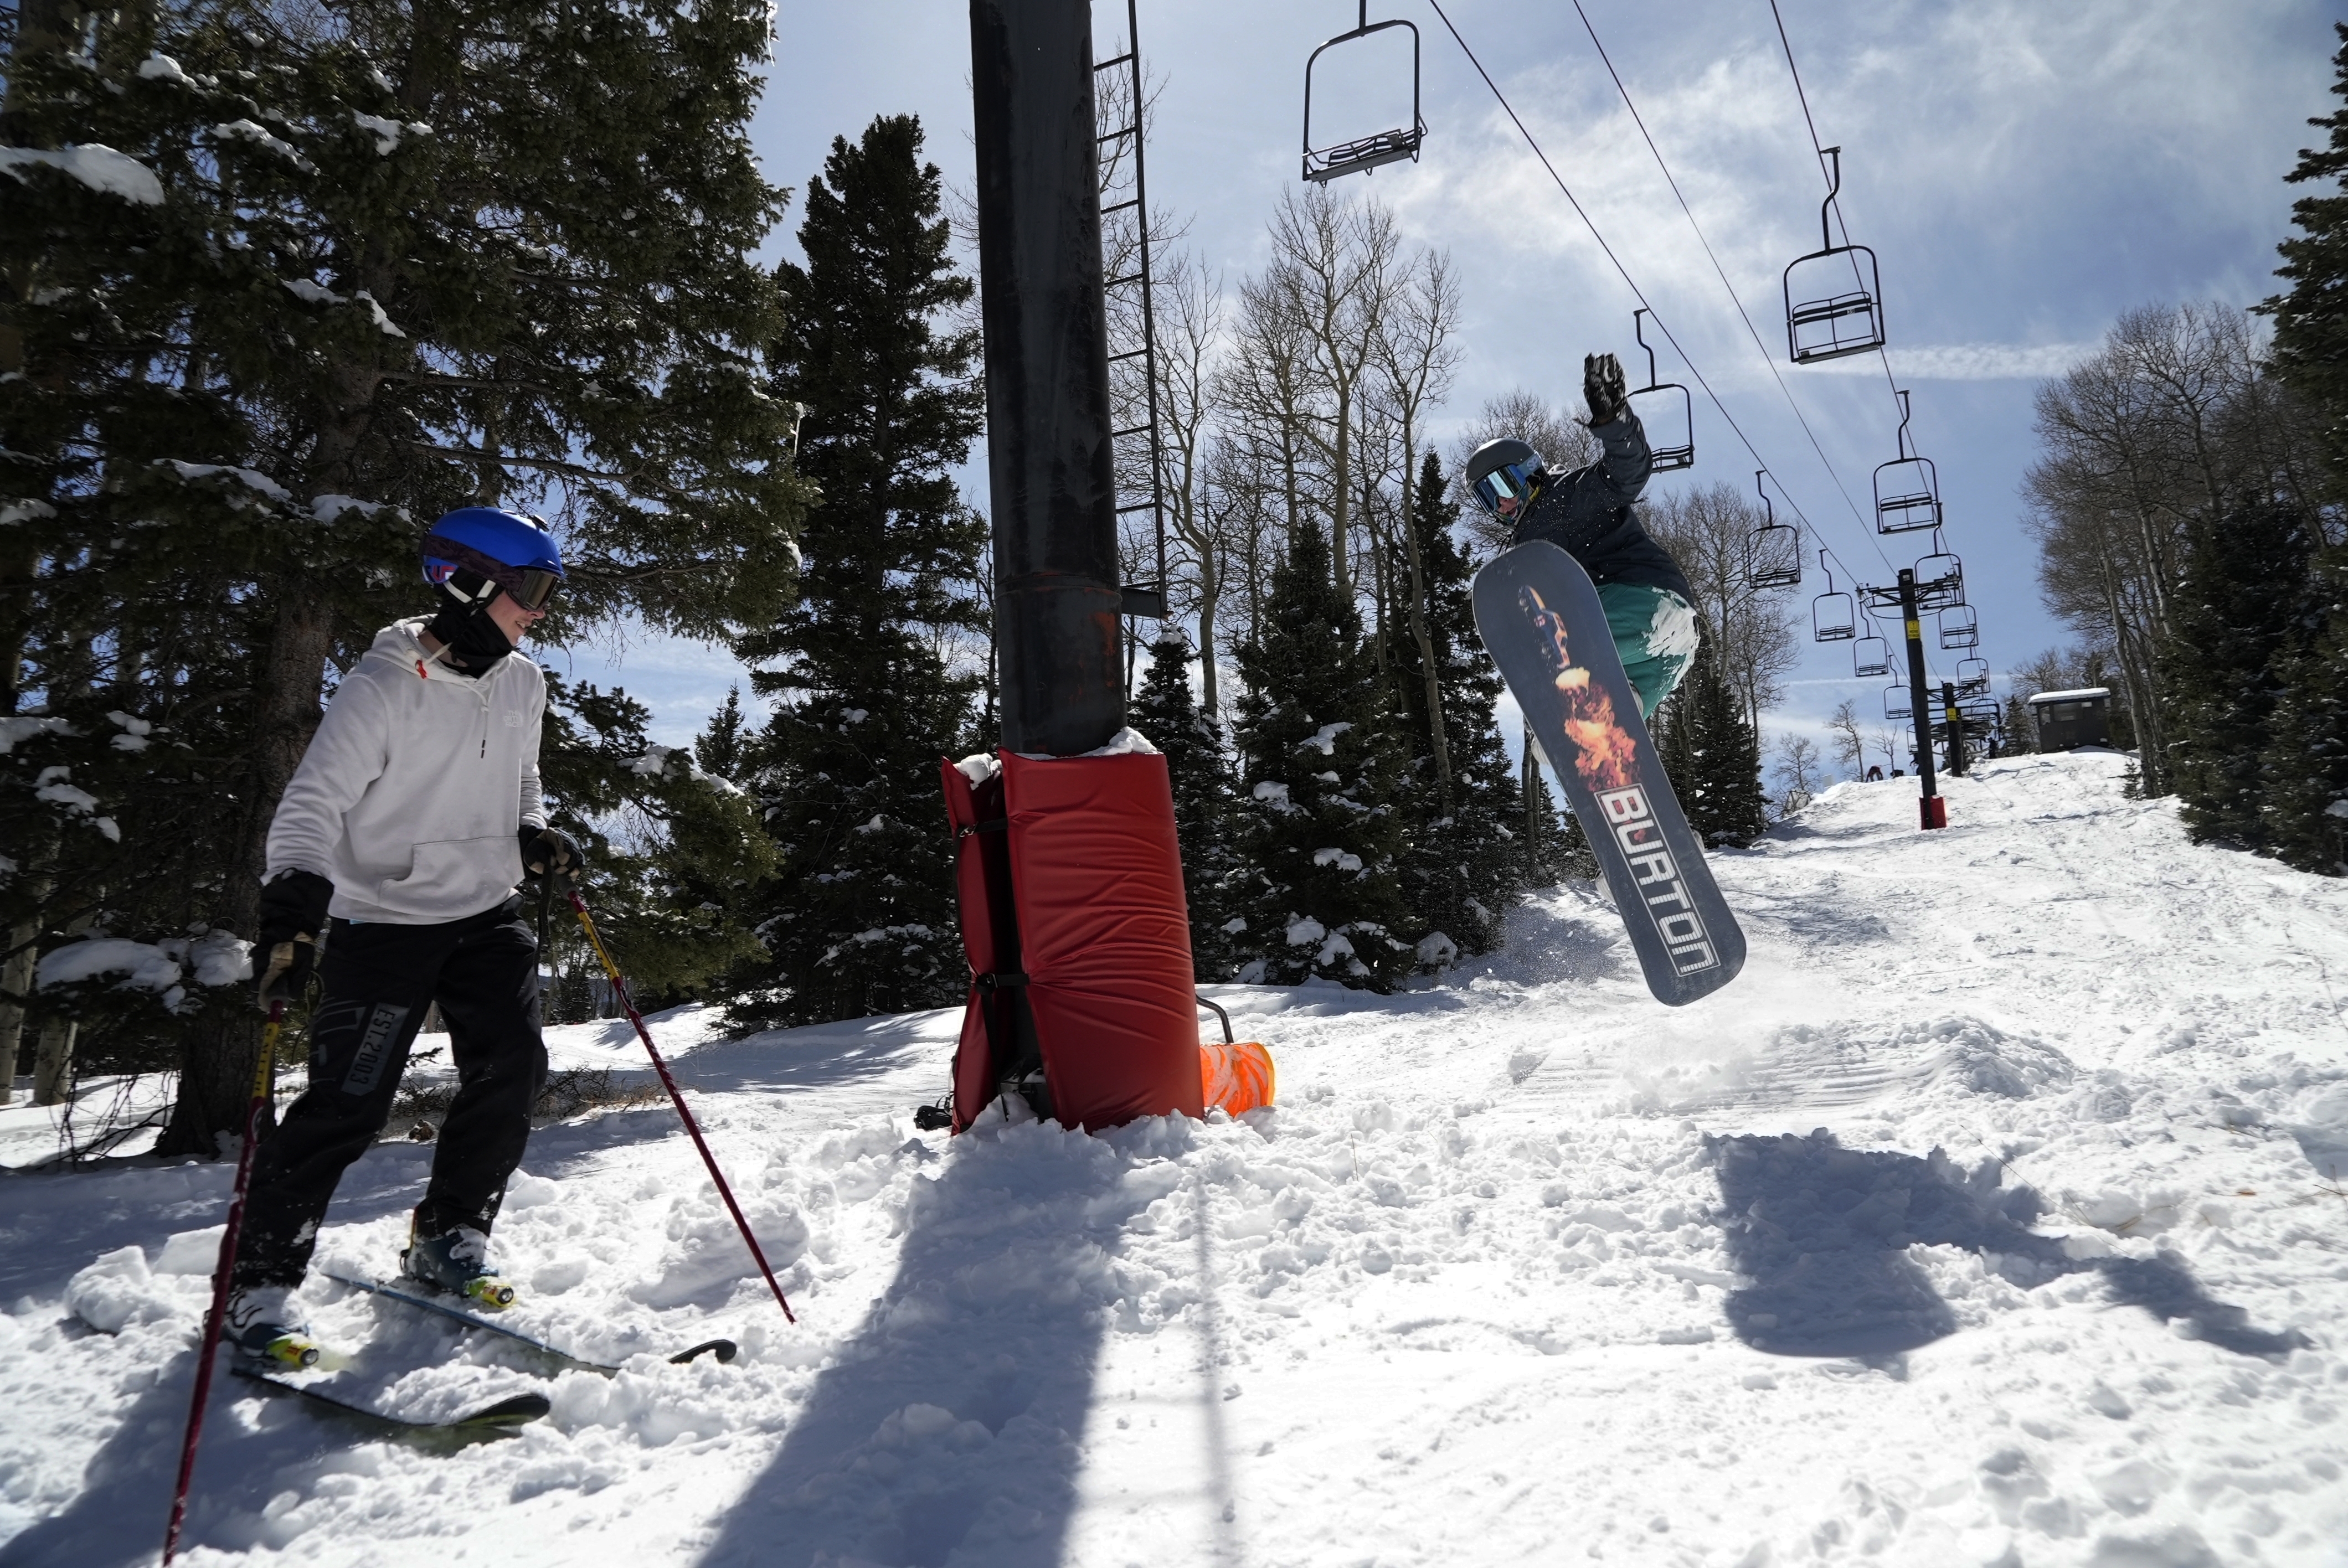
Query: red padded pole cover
(990, 939)
(1105, 935)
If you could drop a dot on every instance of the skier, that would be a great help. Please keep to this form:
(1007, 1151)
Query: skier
(1650, 607)
(399, 844)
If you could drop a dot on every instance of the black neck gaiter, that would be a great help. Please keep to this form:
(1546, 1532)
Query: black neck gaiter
(470, 640)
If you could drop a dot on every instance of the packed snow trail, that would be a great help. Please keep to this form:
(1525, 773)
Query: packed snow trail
(1993, 1216)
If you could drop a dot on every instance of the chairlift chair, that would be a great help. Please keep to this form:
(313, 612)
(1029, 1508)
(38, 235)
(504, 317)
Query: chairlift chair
(1898, 702)
(1960, 627)
(1833, 617)
(1662, 412)
(1940, 579)
(1843, 320)
(1972, 672)
(1870, 657)
(1907, 489)
(1324, 164)
(1773, 556)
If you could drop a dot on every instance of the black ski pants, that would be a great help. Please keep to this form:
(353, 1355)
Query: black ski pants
(378, 981)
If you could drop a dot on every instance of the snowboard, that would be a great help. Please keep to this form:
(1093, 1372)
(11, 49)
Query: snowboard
(1540, 619)
(722, 1350)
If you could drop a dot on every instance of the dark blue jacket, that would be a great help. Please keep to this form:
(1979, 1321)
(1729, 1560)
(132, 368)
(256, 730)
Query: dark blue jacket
(1588, 514)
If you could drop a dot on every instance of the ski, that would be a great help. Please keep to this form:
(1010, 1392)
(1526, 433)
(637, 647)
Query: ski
(723, 1349)
(515, 1411)
(1541, 618)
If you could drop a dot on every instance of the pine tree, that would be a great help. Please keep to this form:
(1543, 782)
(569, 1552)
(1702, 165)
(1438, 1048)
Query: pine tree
(2310, 328)
(861, 915)
(1166, 712)
(1711, 756)
(2305, 773)
(718, 749)
(1319, 838)
(339, 273)
(1461, 869)
(2243, 594)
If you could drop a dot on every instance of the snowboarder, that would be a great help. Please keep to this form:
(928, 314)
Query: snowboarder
(1650, 607)
(399, 844)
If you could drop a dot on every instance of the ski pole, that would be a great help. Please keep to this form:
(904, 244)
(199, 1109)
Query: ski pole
(676, 1098)
(220, 1277)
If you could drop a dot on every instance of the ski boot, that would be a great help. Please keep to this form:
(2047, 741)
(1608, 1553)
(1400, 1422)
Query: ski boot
(265, 1323)
(456, 1261)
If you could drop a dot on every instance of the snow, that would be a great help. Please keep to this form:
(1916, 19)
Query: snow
(1992, 1216)
(1324, 738)
(23, 727)
(978, 767)
(250, 478)
(311, 292)
(331, 508)
(143, 965)
(25, 511)
(159, 68)
(259, 136)
(99, 167)
(1127, 742)
(385, 131)
(2081, 694)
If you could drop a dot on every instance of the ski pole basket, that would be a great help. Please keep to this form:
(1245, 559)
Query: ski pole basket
(1870, 657)
(1773, 556)
(1907, 489)
(1670, 420)
(1960, 627)
(1363, 154)
(1833, 617)
(1833, 318)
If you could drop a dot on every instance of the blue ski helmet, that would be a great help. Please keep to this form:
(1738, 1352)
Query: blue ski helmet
(1505, 470)
(503, 548)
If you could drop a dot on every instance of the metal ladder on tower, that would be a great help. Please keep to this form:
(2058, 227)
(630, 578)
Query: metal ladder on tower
(1139, 598)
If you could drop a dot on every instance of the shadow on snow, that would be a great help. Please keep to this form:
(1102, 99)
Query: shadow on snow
(1823, 1231)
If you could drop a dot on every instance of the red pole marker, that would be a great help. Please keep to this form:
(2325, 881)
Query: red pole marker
(213, 1318)
(676, 1098)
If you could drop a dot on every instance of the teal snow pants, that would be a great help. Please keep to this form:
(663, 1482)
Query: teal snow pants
(1655, 633)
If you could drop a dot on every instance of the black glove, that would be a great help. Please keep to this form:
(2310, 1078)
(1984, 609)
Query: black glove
(550, 849)
(1602, 388)
(293, 912)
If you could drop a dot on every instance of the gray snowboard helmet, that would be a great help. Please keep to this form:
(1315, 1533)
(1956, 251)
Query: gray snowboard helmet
(1505, 470)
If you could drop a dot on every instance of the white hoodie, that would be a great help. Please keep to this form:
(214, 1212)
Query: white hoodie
(412, 793)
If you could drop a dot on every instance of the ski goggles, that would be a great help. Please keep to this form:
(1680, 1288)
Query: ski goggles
(530, 587)
(1508, 482)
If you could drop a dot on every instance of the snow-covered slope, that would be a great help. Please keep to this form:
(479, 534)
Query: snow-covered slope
(1993, 1216)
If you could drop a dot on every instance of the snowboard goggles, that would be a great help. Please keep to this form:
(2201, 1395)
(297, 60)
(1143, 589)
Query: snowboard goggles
(530, 587)
(1508, 482)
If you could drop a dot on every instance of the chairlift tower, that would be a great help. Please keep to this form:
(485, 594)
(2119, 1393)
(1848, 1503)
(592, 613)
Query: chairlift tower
(1931, 808)
(1050, 479)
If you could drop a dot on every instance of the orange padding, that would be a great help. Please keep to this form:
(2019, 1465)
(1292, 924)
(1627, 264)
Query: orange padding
(1236, 1077)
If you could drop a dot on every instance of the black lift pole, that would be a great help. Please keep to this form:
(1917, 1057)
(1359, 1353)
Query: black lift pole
(1048, 391)
(1920, 703)
(1956, 723)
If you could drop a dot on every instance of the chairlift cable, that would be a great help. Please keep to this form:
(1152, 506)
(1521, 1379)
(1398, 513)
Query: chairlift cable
(1638, 120)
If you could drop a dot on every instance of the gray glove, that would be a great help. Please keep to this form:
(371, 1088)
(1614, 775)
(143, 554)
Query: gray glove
(1602, 388)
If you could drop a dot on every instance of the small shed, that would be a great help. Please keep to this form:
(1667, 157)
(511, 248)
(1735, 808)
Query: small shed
(2066, 720)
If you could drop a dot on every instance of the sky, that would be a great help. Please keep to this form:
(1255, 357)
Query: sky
(2024, 173)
